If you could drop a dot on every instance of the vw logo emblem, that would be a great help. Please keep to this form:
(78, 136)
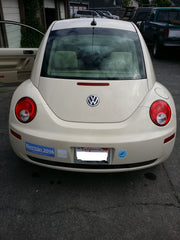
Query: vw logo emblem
(92, 100)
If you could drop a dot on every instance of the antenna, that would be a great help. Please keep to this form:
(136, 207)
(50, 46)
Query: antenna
(93, 23)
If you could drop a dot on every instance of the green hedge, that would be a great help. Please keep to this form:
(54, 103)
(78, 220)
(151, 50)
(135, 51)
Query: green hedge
(31, 38)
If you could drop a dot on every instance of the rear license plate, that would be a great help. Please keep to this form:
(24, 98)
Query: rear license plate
(174, 33)
(92, 155)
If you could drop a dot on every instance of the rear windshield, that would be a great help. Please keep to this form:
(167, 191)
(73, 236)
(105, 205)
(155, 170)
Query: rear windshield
(93, 53)
(169, 16)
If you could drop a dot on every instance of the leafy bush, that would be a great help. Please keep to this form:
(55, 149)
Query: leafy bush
(31, 38)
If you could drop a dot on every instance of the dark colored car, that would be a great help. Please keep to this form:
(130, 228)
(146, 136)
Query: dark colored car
(141, 14)
(162, 29)
(87, 14)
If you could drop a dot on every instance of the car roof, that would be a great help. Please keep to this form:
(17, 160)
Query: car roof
(86, 22)
(166, 8)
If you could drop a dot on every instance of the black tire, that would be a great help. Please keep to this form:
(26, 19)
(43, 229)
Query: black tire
(157, 49)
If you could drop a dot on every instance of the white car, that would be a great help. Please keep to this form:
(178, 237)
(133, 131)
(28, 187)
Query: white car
(86, 14)
(92, 103)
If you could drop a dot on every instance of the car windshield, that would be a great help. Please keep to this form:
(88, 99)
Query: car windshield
(171, 16)
(93, 53)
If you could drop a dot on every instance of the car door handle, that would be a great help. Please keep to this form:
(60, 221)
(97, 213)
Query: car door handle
(28, 52)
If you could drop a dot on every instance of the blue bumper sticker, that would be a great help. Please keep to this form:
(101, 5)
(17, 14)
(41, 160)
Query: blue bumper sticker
(38, 149)
(122, 153)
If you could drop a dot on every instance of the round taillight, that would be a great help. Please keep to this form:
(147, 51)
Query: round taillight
(25, 110)
(160, 113)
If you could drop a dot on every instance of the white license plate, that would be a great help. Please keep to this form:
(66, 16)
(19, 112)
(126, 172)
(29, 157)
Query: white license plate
(94, 155)
(174, 33)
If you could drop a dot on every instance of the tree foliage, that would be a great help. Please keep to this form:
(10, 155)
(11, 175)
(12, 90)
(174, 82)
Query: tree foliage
(143, 3)
(126, 3)
(156, 3)
(162, 3)
(31, 38)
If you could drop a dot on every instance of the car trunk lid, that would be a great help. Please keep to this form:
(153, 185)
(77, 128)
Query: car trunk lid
(117, 100)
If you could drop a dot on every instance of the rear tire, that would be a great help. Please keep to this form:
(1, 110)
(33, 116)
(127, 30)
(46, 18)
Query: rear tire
(157, 49)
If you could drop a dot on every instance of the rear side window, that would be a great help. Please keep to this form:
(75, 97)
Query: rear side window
(169, 16)
(93, 53)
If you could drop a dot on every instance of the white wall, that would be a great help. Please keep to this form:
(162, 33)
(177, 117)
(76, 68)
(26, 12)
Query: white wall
(49, 4)
(11, 12)
(62, 10)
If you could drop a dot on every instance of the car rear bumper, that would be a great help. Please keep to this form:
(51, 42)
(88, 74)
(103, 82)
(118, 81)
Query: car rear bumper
(171, 43)
(140, 152)
(94, 168)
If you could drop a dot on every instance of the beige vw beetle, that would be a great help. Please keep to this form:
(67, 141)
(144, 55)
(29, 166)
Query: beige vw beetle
(92, 103)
